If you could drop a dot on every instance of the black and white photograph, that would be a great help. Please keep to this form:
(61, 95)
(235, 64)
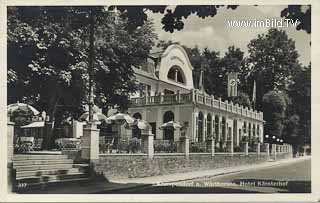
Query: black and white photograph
(158, 99)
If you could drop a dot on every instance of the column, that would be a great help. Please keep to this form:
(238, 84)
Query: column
(147, 143)
(184, 146)
(159, 134)
(230, 146)
(211, 146)
(219, 127)
(246, 147)
(176, 133)
(257, 147)
(90, 140)
(267, 145)
(274, 150)
(10, 150)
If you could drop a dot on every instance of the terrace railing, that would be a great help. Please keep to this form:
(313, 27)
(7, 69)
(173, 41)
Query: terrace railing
(196, 97)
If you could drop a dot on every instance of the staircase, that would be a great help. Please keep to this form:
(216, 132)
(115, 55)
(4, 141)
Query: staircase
(41, 171)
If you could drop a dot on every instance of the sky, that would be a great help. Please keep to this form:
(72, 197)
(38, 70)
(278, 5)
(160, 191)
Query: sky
(214, 32)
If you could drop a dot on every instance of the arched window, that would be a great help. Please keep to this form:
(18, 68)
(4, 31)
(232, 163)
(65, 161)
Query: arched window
(175, 73)
(200, 127)
(209, 125)
(216, 127)
(245, 128)
(253, 130)
(137, 116)
(223, 126)
(258, 130)
(249, 130)
(168, 134)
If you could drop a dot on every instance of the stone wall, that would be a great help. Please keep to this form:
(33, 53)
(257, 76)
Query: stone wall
(137, 166)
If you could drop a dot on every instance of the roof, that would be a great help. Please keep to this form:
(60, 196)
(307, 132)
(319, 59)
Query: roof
(37, 124)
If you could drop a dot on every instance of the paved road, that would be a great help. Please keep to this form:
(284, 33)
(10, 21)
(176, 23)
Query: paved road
(284, 178)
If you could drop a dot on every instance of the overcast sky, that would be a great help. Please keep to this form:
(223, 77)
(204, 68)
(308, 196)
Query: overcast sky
(215, 34)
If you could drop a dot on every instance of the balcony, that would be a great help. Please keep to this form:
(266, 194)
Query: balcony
(196, 97)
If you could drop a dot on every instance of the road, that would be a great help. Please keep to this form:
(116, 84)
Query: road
(285, 178)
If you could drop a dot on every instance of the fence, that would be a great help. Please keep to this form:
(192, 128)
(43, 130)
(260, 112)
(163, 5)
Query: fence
(111, 145)
(165, 146)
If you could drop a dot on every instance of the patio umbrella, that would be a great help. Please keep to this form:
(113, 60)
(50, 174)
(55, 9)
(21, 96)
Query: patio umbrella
(96, 117)
(120, 118)
(171, 125)
(142, 124)
(25, 108)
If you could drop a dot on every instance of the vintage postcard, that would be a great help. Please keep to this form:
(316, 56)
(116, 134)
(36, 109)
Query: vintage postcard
(159, 101)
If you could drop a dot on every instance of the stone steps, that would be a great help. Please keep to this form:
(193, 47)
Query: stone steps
(38, 171)
(43, 167)
(22, 157)
(26, 174)
(41, 162)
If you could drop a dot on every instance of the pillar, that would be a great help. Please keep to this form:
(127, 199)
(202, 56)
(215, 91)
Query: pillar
(211, 146)
(246, 147)
(10, 150)
(90, 142)
(274, 150)
(257, 148)
(184, 145)
(267, 145)
(230, 146)
(147, 143)
(159, 134)
(176, 133)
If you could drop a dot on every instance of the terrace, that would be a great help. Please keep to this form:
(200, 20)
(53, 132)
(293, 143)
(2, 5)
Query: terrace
(196, 97)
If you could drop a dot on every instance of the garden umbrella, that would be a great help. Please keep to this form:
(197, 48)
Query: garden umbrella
(171, 125)
(142, 124)
(25, 108)
(120, 118)
(96, 117)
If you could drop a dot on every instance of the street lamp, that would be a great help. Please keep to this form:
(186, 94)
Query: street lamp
(273, 137)
(267, 136)
(278, 139)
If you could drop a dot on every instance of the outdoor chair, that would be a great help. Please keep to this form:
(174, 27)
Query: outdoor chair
(26, 144)
(38, 144)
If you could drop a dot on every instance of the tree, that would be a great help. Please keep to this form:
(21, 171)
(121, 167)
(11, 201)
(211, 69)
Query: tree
(273, 61)
(302, 13)
(242, 99)
(300, 92)
(173, 18)
(52, 47)
(274, 107)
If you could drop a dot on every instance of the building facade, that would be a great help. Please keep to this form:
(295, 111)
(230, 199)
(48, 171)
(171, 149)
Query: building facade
(168, 93)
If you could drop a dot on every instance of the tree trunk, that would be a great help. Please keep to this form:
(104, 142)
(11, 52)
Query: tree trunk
(48, 142)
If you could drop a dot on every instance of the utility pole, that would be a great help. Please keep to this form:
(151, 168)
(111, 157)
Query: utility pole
(91, 63)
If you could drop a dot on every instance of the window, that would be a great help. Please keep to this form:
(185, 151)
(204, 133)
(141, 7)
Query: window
(175, 73)
(209, 125)
(223, 126)
(216, 127)
(200, 127)
(137, 116)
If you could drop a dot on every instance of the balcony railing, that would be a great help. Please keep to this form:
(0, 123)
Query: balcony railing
(197, 98)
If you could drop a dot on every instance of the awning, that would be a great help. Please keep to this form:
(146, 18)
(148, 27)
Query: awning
(37, 124)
